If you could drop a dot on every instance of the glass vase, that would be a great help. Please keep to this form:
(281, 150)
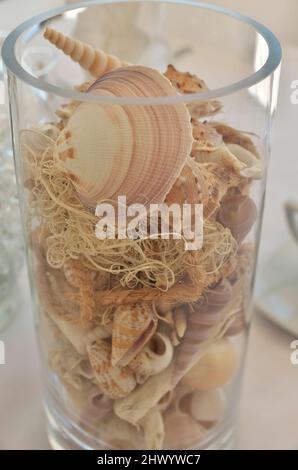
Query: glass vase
(142, 182)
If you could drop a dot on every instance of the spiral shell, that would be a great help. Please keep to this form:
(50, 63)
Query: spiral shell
(186, 83)
(132, 151)
(200, 323)
(133, 326)
(93, 60)
(114, 381)
(238, 213)
(154, 358)
(89, 404)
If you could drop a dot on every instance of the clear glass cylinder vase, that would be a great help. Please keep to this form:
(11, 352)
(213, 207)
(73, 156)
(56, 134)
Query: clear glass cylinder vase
(142, 172)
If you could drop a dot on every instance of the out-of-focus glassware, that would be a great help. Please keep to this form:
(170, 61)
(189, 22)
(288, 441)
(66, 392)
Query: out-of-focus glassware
(11, 240)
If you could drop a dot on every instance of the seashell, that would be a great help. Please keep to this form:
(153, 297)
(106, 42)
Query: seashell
(233, 136)
(238, 325)
(238, 159)
(87, 404)
(119, 435)
(93, 60)
(207, 407)
(114, 381)
(155, 357)
(253, 165)
(165, 401)
(79, 336)
(133, 326)
(181, 430)
(200, 323)
(187, 83)
(153, 428)
(133, 151)
(238, 213)
(214, 369)
(180, 321)
(136, 405)
(206, 137)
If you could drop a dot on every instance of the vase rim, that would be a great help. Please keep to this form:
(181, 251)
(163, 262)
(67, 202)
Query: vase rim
(36, 23)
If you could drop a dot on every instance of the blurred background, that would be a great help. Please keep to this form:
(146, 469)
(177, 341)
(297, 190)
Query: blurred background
(269, 409)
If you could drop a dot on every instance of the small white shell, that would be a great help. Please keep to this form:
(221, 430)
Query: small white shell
(154, 358)
(241, 160)
(208, 407)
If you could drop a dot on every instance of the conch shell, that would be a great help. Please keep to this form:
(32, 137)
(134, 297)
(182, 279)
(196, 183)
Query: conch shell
(93, 60)
(186, 83)
(238, 213)
(114, 381)
(133, 326)
(153, 358)
(234, 156)
(133, 151)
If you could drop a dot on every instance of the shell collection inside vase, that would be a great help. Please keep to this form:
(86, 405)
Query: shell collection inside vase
(141, 333)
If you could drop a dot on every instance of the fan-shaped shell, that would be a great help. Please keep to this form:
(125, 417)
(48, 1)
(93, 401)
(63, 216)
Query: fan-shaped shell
(154, 358)
(114, 381)
(133, 326)
(134, 151)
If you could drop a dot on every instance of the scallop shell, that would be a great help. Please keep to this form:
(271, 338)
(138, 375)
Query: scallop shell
(133, 151)
(93, 60)
(208, 407)
(238, 213)
(214, 369)
(155, 357)
(133, 326)
(114, 381)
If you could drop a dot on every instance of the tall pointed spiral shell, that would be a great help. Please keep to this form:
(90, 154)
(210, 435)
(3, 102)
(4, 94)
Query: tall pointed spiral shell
(114, 381)
(135, 151)
(95, 61)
